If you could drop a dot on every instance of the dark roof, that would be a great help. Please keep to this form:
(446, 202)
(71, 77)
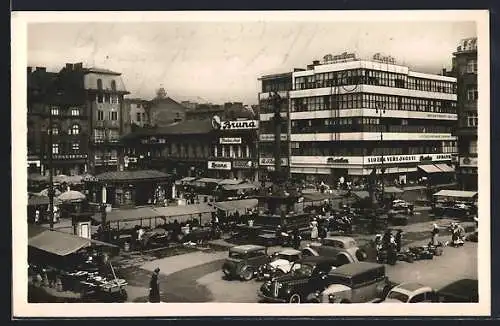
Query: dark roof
(131, 175)
(134, 214)
(318, 260)
(55, 242)
(101, 71)
(355, 268)
(41, 80)
(188, 127)
(236, 205)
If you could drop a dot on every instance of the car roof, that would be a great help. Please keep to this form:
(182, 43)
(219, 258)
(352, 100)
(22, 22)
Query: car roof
(246, 248)
(318, 260)
(464, 288)
(289, 252)
(340, 238)
(412, 287)
(355, 268)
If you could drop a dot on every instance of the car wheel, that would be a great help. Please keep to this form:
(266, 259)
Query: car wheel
(246, 274)
(294, 298)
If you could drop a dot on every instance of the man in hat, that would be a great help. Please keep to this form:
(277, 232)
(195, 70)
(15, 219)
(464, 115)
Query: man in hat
(154, 287)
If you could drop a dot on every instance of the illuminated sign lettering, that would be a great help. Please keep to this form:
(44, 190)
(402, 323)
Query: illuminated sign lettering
(229, 140)
(217, 165)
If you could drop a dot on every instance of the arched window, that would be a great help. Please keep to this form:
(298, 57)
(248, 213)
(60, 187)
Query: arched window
(113, 85)
(75, 130)
(99, 84)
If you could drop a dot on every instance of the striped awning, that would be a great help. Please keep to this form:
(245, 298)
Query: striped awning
(430, 168)
(445, 167)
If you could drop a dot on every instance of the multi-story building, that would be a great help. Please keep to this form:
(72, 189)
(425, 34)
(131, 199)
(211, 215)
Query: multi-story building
(352, 118)
(164, 111)
(57, 103)
(465, 70)
(282, 84)
(136, 114)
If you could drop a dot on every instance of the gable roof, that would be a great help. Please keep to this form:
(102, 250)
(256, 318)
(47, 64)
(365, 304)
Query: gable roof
(188, 127)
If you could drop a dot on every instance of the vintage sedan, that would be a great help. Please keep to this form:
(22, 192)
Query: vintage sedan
(308, 275)
(280, 264)
(244, 261)
(344, 249)
(360, 282)
(411, 292)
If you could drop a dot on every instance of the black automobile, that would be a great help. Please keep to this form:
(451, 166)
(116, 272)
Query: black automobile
(461, 291)
(307, 276)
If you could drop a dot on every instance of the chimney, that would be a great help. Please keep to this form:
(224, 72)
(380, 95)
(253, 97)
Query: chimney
(78, 66)
(316, 62)
(310, 67)
(444, 71)
(30, 70)
(43, 69)
(69, 66)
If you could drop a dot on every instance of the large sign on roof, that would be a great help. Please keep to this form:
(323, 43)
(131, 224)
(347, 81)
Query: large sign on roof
(228, 125)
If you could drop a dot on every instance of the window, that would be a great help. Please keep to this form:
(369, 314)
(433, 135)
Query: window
(100, 115)
(55, 148)
(107, 98)
(99, 84)
(55, 130)
(418, 298)
(138, 117)
(100, 98)
(472, 94)
(75, 112)
(114, 115)
(113, 85)
(54, 111)
(98, 135)
(143, 117)
(75, 146)
(472, 119)
(472, 66)
(75, 130)
(114, 99)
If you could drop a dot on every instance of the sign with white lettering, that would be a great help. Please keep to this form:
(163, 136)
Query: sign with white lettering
(406, 158)
(228, 125)
(329, 58)
(242, 164)
(270, 161)
(270, 137)
(384, 58)
(230, 140)
(337, 160)
(468, 162)
(218, 165)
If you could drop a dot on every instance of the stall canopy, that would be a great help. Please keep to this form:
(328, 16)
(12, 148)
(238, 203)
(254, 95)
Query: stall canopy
(55, 242)
(128, 214)
(317, 196)
(236, 205)
(362, 194)
(393, 190)
(41, 200)
(174, 211)
(456, 193)
(230, 182)
(71, 195)
(430, 168)
(45, 192)
(37, 177)
(445, 168)
(132, 175)
(241, 186)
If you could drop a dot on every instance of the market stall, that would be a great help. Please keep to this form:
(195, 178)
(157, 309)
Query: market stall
(65, 265)
(454, 203)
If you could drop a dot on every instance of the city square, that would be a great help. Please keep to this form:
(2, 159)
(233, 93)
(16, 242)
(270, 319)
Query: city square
(343, 177)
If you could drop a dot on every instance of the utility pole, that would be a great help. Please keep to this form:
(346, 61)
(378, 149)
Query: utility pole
(382, 169)
(51, 181)
(276, 101)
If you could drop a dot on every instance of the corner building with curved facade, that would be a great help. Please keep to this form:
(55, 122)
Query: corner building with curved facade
(346, 117)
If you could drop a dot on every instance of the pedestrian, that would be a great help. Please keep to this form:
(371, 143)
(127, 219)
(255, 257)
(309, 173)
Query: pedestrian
(37, 216)
(314, 230)
(398, 239)
(296, 238)
(154, 287)
(386, 239)
(434, 232)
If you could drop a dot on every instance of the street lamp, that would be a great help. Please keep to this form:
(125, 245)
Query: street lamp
(381, 111)
(50, 165)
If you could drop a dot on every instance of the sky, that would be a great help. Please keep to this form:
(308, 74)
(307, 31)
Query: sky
(221, 62)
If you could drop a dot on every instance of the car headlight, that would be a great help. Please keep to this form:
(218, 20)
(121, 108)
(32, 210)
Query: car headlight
(331, 298)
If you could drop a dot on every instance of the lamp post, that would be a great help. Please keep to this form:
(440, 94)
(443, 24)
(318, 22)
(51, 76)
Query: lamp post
(381, 111)
(51, 181)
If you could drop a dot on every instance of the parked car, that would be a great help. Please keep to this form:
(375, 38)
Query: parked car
(345, 249)
(355, 283)
(308, 275)
(280, 264)
(412, 292)
(399, 204)
(464, 290)
(244, 261)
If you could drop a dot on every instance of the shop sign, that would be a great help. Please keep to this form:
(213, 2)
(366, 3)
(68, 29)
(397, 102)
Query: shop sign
(68, 156)
(242, 164)
(384, 58)
(329, 58)
(230, 140)
(337, 160)
(270, 137)
(228, 125)
(408, 158)
(270, 161)
(468, 161)
(218, 165)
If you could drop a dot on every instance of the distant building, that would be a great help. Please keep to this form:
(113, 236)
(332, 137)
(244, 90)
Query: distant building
(465, 70)
(136, 114)
(205, 111)
(189, 105)
(165, 111)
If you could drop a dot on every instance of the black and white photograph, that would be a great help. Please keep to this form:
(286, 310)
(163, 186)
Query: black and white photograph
(251, 163)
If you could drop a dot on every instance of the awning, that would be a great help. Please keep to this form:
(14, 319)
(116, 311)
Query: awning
(230, 182)
(445, 167)
(128, 214)
(456, 193)
(173, 211)
(41, 200)
(57, 243)
(430, 168)
(393, 190)
(236, 205)
(132, 175)
(242, 186)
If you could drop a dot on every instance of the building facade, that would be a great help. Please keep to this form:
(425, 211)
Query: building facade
(282, 84)
(164, 111)
(465, 70)
(58, 122)
(136, 114)
(352, 118)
